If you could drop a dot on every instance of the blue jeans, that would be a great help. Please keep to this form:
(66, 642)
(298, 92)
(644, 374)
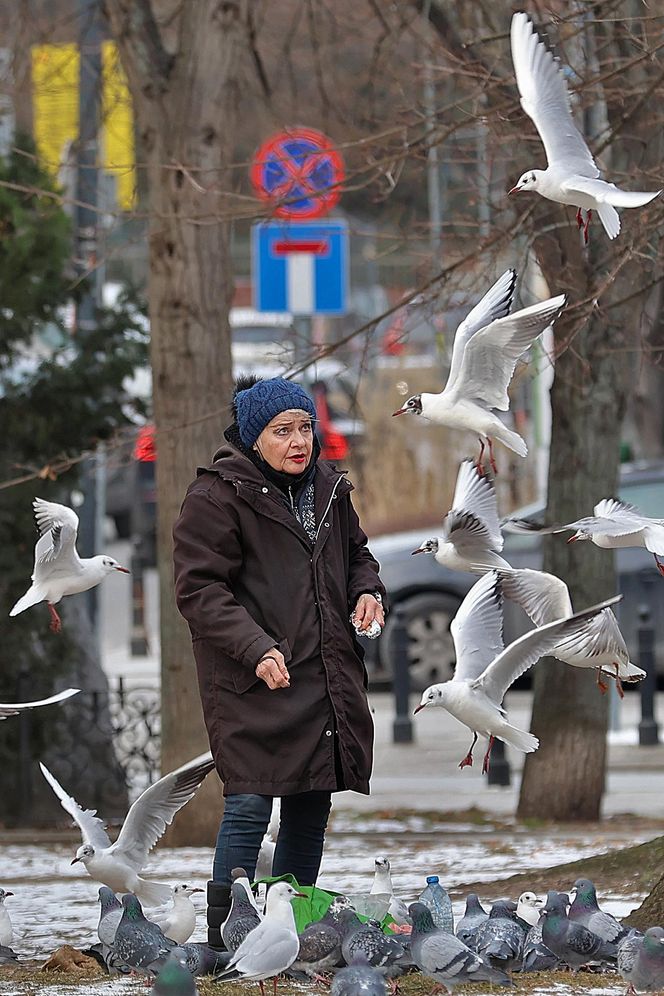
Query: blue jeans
(300, 841)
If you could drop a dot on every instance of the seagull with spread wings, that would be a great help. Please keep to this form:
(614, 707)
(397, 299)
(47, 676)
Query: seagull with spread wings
(485, 669)
(572, 176)
(486, 348)
(118, 865)
(58, 569)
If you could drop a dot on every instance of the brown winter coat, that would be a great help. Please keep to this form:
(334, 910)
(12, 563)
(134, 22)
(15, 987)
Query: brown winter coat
(247, 578)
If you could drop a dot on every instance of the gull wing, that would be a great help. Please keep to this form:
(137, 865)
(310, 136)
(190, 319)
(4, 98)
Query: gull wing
(155, 808)
(13, 709)
(496, 303)
(545, 99)
(608, 193)
(466, 532)
(601, 637)
(476, 492)
(58, 527)
(543, 597)
(527, 650)
(491, 354)
(477, 628)
(91, 827)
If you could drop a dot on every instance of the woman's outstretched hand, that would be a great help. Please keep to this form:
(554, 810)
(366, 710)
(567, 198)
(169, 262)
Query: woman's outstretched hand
(272, 669)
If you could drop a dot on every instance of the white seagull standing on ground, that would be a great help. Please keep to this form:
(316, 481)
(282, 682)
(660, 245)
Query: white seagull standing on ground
(614, 524)
(599, 644)
(118, 865)
(572, 176)
(471, 538)
(486, 348)
(14, 708)
(485, 669)
(179, 922)
(58, 569)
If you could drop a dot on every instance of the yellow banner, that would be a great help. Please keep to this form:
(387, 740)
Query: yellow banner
(55, 81)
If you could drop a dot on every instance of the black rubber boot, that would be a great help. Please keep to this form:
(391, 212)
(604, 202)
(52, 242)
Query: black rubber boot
(218, 908)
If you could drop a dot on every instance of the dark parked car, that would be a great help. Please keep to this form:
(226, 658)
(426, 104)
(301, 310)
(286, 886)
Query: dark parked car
(430, 594)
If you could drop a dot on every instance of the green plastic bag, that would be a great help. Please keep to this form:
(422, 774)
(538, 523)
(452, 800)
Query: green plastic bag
(315, 903)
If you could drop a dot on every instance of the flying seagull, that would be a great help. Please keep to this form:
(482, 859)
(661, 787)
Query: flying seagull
(58, 569)
(485, 669)
(118, 865)
(486, 348)
(572, 176)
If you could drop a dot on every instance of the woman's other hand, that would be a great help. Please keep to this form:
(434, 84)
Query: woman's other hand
(367, 609)
(272, 670)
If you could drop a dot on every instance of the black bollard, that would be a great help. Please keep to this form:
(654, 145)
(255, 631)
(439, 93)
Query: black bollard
(648, 731)
(499, 767)
(402, 727)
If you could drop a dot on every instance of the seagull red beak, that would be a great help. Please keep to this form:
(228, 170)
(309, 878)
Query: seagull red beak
(8, 894)
(420, 549)
(572, 539)
(73, 862)
(198, 890)
(514, 190)
(400, 412)
(417, 708)
(123, 570)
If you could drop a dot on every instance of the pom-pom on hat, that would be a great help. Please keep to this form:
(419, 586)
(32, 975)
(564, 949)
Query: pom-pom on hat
(257, 405)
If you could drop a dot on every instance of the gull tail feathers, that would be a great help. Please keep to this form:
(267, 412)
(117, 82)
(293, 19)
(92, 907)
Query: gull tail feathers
(153, 893)
(610, 219)
(512, 440)
(519, 739)
(33, 596)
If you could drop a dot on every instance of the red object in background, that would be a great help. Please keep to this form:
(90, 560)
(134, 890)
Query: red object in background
(299, 173)
(145, 448)
(333, 445)
(393, 344)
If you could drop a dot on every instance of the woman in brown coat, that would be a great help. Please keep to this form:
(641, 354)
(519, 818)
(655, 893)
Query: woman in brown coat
(270, 564)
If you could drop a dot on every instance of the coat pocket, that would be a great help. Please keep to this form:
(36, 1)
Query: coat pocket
(239, 678)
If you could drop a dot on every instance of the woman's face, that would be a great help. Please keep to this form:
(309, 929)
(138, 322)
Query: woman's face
(287, 441)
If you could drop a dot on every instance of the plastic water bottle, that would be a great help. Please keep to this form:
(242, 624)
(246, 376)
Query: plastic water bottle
(439, 904)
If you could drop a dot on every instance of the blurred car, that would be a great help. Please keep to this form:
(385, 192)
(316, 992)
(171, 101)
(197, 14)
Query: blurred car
(430, 595)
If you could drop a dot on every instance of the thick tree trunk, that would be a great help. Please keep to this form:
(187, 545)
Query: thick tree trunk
(185, 102)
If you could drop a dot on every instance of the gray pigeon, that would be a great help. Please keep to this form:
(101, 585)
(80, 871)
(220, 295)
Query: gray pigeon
(573, 943)
(584, 909)
(174, 980)
(443, 957)
(368, 941)
(358, 979)
(500, 939)
(641, 960)
(110, 915)
(536, 956)
(139, 943)
(471, 921)
(7, 956)
(200, 959)
(320, 949)
(241, 920)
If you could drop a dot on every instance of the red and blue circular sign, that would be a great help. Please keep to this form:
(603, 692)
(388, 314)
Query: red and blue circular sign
(299, 173)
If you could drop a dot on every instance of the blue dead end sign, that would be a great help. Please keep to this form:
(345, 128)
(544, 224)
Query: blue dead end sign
(300, 267)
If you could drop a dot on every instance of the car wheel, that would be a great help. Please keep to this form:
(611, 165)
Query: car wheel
(430, 646)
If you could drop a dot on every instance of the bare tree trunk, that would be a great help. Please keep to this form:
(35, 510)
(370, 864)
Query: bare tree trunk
(184, 87)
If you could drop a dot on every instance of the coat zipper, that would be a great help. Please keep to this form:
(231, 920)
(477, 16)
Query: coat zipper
(328, 506)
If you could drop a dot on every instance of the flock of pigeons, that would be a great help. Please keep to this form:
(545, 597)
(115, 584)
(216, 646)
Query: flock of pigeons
(487, 347)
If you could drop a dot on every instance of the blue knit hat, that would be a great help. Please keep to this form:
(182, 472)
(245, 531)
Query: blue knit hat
(258, 405)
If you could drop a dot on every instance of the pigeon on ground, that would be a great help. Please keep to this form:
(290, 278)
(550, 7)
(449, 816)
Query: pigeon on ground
(584, 910)
(269, 843)
(536, 956)
(320, 949)
(178, 922)
(471, 538)
(600, 645)
(7, 956)
(201, 959)
(273, 946)
(58, 569)
(118, 865)
(14, 708)
(368, 940)
(641, 961)
(443, 957)
(487, 345)
(358, 979)
(138, 942)
(528, 908)
(110, 914)
(573, 943)
(613, 525)
(572, 176)
(174, 980)
(485, 669)
(500, 939)
(6, 927)
(242, 919)
(471, 921)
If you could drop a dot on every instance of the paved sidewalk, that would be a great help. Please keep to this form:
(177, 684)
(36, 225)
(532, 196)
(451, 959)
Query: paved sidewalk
(425, 775)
